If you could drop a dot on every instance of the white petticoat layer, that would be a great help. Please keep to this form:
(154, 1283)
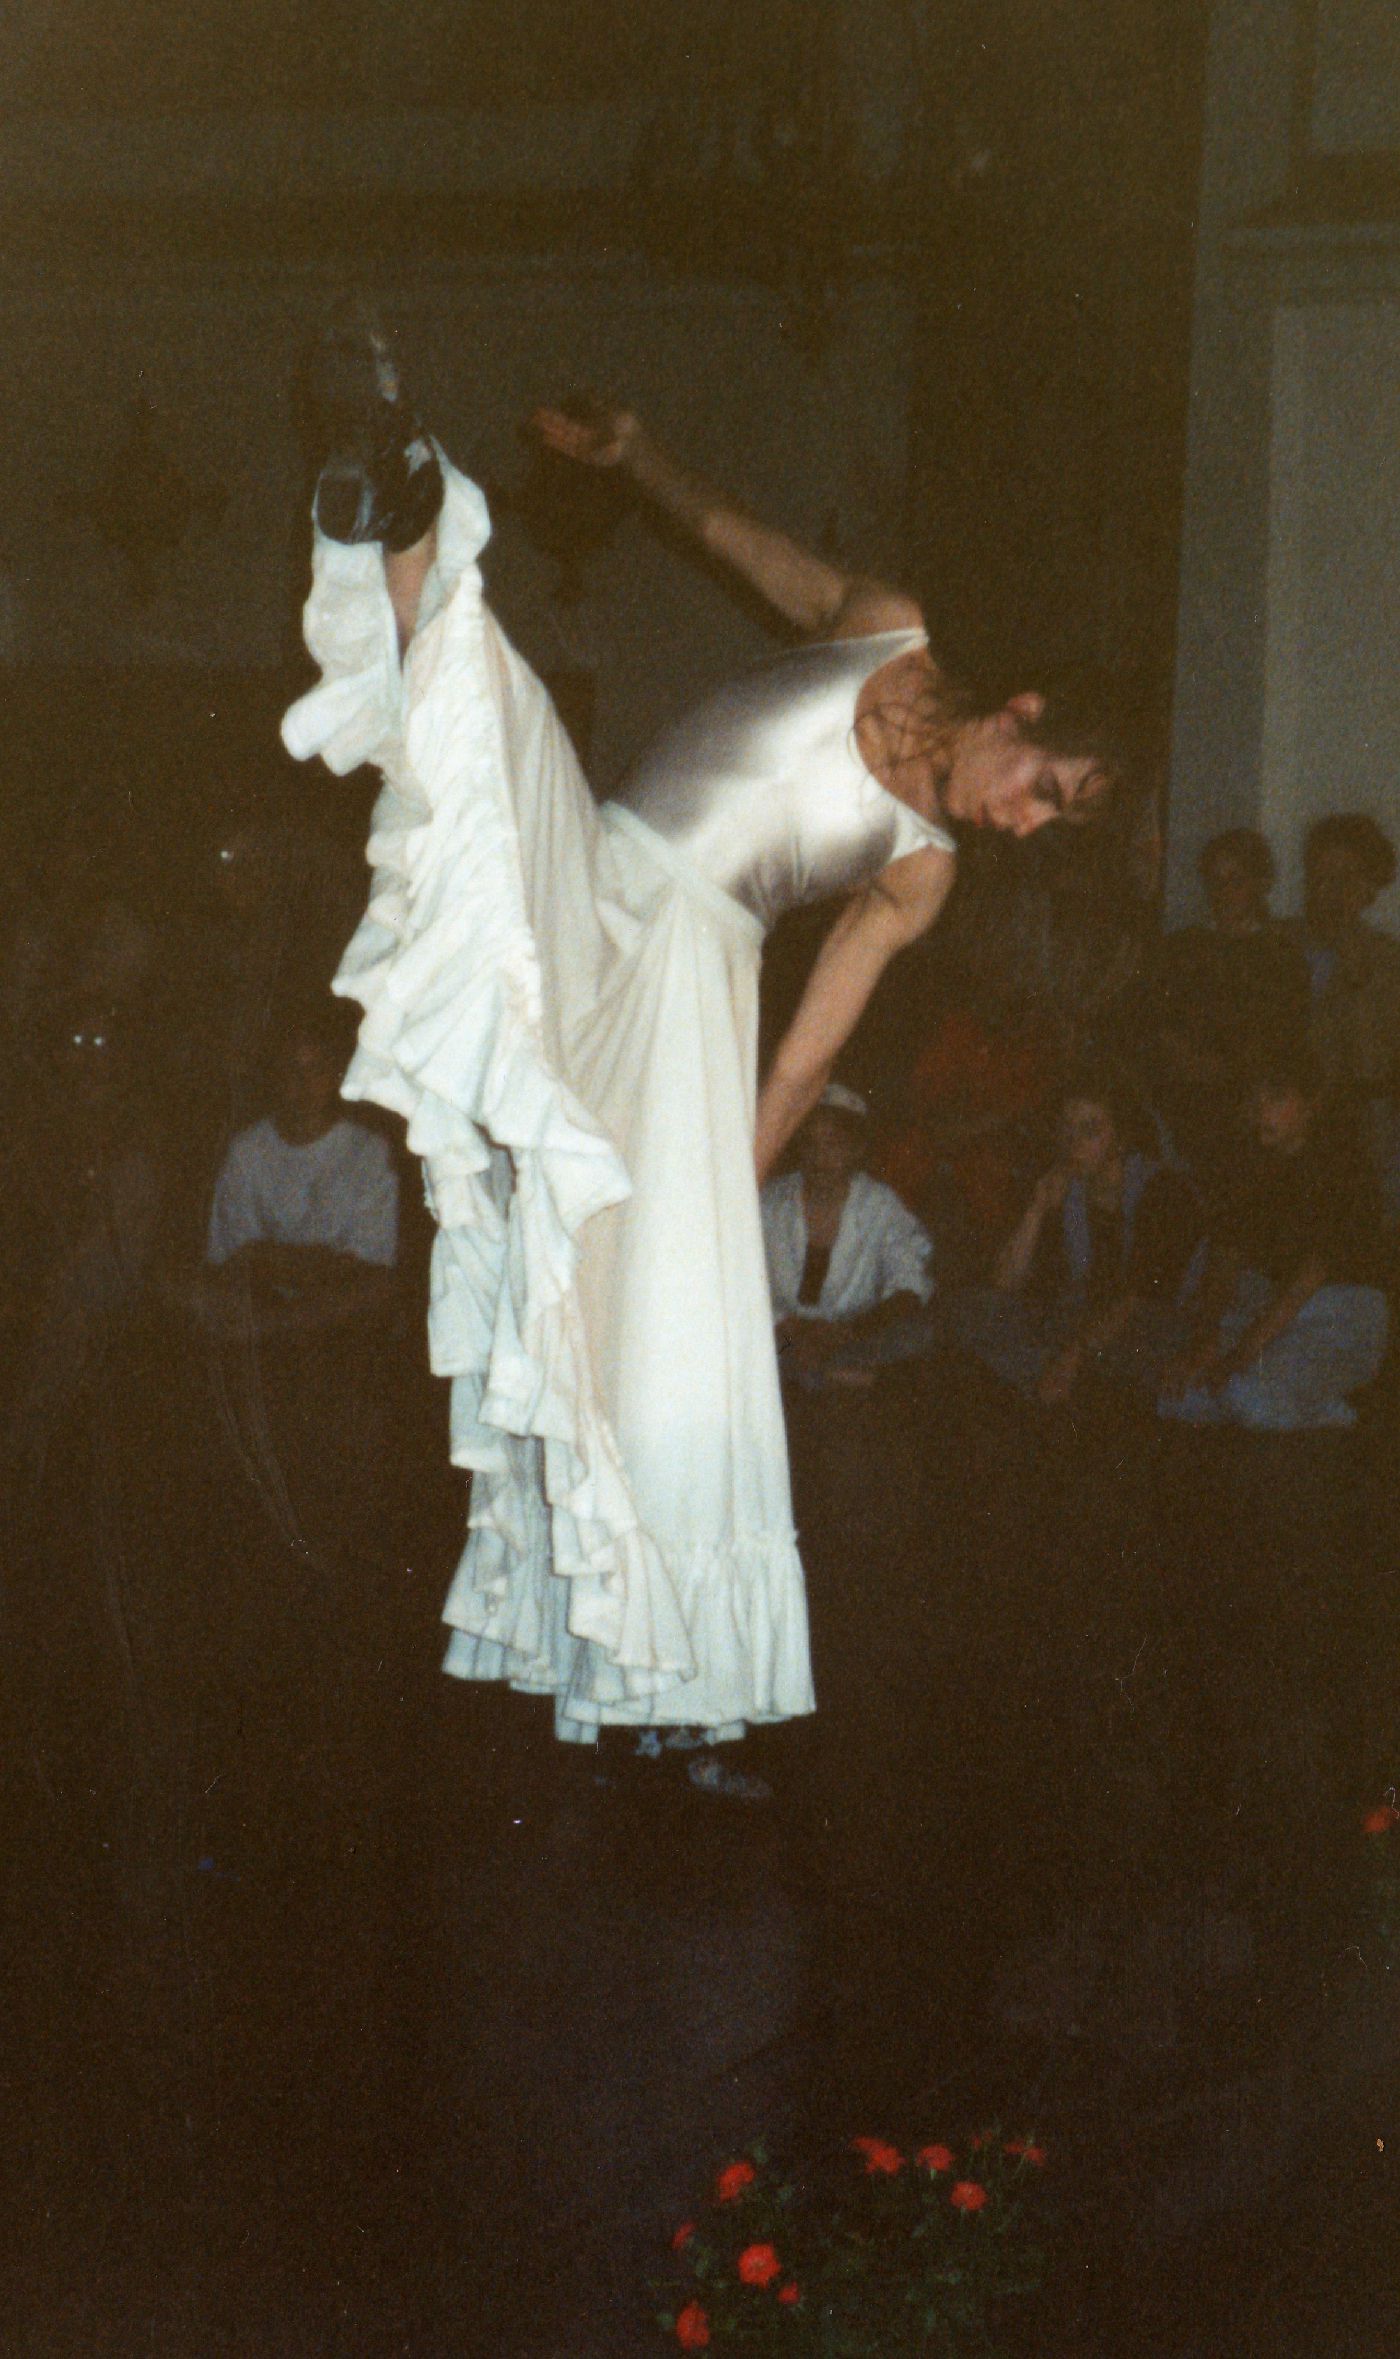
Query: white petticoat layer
(538, 995)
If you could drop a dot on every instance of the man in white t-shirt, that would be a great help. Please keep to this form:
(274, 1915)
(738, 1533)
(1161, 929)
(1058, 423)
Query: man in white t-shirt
(848, 1264)
(306, 1207)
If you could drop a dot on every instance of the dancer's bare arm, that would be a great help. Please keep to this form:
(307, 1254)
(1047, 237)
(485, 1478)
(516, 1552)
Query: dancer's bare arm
(873, 927)
(820, 598)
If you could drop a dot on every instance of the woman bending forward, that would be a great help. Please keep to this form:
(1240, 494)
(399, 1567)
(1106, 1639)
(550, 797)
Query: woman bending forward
(561, 1000)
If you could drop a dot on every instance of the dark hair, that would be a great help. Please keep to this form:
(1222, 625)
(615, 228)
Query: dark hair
(1107, 1085)
(1055, 919)
(324, 1023)
(1357, 833)
(1244, 845)
(1089, 712)
(1092, 712)
(1058, 919)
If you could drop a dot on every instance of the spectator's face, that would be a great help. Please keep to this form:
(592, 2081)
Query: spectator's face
(1282, 1118)
(1338, 890)
(1238, 897)
(1088, 1137)
(306, 1099)
(830, 1150)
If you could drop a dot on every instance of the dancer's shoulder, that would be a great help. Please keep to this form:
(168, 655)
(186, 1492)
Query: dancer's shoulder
(872, 610)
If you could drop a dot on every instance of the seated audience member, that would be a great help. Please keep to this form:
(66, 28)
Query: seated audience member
(1290, 1319)
(1355, 974)
(969, 1107)
(84, 1186)
(848, 1264)
(1243, 976)
(1092, 1274)
(306, 1207)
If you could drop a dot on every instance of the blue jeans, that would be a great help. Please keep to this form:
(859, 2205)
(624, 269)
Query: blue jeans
(1017, 1336)
(1300, 1383)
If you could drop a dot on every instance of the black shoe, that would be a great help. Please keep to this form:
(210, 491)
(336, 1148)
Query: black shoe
(381, 480)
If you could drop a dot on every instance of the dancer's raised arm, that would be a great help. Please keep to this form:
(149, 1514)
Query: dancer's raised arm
(819, 597)
(874, 926)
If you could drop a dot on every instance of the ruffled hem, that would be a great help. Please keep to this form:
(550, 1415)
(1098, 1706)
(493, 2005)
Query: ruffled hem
(447, 971)
(754, 1663)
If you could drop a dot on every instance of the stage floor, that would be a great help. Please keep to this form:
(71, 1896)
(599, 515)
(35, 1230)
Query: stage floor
(347, 2014)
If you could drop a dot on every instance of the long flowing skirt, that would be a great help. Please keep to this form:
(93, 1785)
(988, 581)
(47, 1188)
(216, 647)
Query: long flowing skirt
(566, 1015)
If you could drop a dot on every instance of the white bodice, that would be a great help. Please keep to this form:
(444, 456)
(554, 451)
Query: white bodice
(761, 788)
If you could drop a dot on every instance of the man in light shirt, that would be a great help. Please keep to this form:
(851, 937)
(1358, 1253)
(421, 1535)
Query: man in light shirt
(848, 1264)
(306, 1208)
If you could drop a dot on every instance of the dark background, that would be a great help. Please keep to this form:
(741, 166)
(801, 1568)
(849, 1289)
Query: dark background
(1043, 239)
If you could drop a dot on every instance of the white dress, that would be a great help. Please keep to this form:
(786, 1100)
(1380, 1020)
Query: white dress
(562, 1002)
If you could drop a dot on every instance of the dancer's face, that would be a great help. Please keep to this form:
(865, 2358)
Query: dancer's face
(999, 777)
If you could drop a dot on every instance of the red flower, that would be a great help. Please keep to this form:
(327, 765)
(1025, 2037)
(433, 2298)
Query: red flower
(682, 2236)
(732, 2181)
(935, 2158)
(878, 2156)
(692, 2328)
(1024, 2153)
(1380, 1820)
(758, 2264)
(790, 2292)
(967, 2196)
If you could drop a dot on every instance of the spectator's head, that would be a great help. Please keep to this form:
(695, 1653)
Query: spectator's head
(1282, 1099)
(831, 1143)
(308, 1065)
(1237, 873)
(1347, 861)
(1101, 1120)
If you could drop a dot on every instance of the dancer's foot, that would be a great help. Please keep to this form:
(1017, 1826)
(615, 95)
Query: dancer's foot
(709, 1775)
(381, 480)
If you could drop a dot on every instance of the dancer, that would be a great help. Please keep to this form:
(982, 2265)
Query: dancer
(562, 1002)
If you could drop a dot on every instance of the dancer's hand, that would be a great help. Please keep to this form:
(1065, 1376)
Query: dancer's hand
(595, 433)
